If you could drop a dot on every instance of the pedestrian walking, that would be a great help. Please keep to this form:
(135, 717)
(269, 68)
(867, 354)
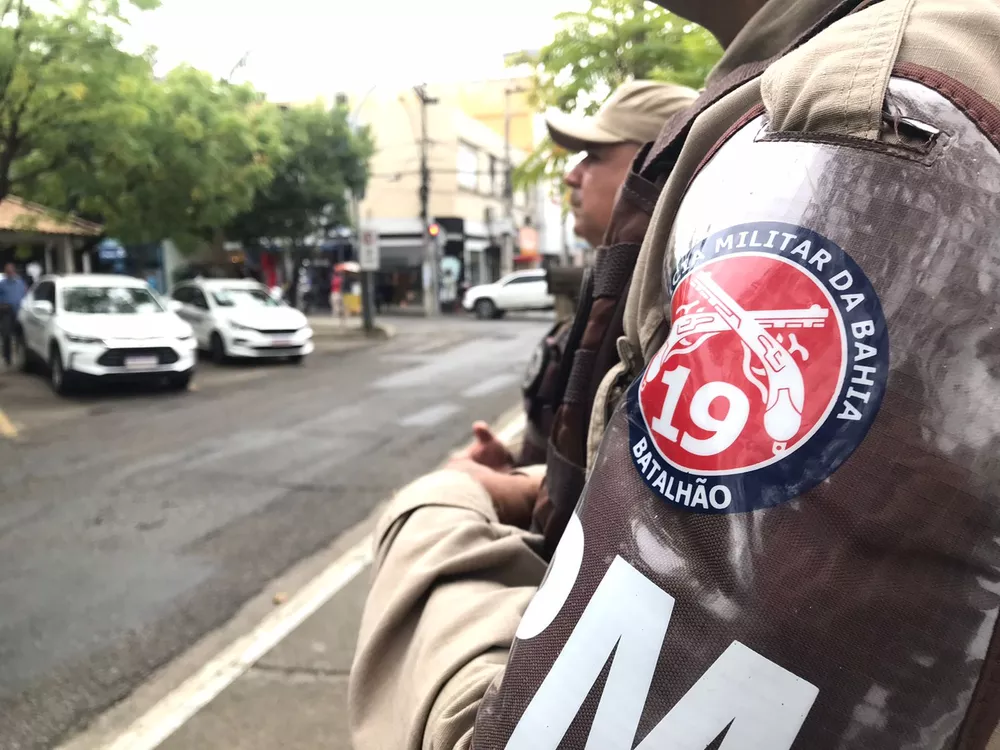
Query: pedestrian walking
(12, 291)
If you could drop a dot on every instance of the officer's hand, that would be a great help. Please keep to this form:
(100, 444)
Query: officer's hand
(513, 495)
(487, 450)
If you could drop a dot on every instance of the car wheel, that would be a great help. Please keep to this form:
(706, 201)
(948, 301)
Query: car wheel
(60, 379)
(297, 359)
(180, 382)
(486, 309)
(218, 348)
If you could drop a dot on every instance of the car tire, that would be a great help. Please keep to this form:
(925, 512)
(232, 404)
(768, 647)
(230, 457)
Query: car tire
(486, 309)
(297, 359)
(180, 382)
(217, 347)
(61, 379)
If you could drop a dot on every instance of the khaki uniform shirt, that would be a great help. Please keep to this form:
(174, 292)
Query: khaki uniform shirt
(450, 582)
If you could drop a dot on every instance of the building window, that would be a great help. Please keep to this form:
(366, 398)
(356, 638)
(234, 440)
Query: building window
(468, 167)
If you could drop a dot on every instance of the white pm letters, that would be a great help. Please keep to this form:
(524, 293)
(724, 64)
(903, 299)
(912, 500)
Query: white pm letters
(762, 704)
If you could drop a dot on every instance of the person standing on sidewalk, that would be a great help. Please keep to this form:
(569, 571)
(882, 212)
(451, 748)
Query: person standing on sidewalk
(12, 291)
(337, 296)
(787, 535)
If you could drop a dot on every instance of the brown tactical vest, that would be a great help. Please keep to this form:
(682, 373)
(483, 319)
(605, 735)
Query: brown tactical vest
(601, 308)
(789, 540)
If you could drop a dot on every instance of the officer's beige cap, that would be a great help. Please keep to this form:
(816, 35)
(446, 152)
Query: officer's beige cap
(634, 113)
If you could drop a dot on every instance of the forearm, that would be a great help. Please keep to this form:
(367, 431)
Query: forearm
(449, 589)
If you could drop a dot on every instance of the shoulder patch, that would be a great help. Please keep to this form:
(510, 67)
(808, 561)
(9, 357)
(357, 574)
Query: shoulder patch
(772, 375)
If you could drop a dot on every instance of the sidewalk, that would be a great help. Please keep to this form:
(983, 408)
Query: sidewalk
(295, 697)
(328, 326)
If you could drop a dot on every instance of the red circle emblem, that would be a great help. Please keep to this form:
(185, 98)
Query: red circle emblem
(754, 362)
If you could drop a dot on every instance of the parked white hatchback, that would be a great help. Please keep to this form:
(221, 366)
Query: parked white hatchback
(521, 290)
(103, 327)
(241, 318)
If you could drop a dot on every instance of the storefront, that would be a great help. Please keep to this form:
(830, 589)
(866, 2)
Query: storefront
(33, 237)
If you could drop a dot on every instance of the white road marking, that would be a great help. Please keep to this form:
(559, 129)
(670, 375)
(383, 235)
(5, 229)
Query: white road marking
(490, 385)
(513, 429)
(431, 416)
(171, 713)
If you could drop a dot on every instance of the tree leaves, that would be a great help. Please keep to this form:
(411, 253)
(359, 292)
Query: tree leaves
(596, 51)
(86, 128)
(322, 160)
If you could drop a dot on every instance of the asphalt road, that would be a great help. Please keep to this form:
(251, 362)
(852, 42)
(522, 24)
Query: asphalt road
(132, 524)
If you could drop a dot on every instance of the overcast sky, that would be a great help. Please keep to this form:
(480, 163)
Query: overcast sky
(301, 49)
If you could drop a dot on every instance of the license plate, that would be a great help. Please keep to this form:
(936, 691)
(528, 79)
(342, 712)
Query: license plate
(282, 342)
(140, 363)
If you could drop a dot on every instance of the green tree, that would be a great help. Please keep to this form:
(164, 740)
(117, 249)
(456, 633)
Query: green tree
(186, 155)
(60, 81)
(323, 160)
(86, 128)
(597, 50)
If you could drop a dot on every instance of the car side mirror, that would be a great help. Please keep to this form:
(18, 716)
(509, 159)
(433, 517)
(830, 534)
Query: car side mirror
(42, 307)
(175, 305)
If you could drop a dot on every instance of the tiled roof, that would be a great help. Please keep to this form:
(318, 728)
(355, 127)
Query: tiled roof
(18, 215)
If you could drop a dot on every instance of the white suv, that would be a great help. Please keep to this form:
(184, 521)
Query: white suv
(106, 327)
(240, 318)
(521, 290)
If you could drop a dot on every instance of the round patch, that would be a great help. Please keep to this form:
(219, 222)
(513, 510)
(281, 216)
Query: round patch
(772, 374)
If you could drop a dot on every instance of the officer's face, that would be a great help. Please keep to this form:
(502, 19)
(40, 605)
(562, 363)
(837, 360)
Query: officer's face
(594, 182)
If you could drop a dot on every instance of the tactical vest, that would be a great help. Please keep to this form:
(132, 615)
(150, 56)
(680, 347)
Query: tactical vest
(789, 538)
(592, 351)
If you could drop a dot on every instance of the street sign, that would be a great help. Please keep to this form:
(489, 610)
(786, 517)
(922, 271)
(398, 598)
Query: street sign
(369, 256)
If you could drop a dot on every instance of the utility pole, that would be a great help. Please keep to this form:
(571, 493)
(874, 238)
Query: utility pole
(431, 262)
(507, 253)
(354, 201)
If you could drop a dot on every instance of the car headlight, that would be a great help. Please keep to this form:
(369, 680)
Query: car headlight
(240, 327)
(74, 339)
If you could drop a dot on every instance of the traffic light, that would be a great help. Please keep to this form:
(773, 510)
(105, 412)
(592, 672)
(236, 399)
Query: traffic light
(437, 235)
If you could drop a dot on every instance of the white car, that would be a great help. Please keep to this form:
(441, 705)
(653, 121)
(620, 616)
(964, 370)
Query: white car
(239, 318)
(521, 290)
(105, 327)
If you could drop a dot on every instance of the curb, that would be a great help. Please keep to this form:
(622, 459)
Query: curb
(380, 332)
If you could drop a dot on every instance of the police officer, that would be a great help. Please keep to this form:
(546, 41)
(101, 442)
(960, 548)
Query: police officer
(788, 535)
(608, 142)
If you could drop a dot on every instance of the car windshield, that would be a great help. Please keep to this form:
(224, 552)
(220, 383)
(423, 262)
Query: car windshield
(243, 297)
(109, 300)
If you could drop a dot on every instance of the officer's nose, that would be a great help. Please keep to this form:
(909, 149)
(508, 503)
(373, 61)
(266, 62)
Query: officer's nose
(574, 178)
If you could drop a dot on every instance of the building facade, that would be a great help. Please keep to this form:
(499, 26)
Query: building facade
(466, 156)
